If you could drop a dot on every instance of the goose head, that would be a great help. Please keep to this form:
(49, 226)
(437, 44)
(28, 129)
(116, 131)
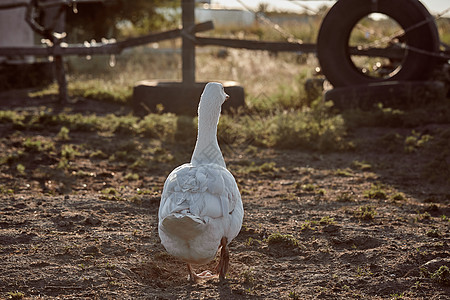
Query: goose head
(212, 98)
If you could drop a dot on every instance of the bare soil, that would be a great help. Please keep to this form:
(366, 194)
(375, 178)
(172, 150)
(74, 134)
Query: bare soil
(311, 228)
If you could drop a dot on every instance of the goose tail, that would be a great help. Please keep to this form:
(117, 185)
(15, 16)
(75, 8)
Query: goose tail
(184, 226)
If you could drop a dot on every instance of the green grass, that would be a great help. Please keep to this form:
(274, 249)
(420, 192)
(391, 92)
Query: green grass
(365, 213)
(376, 191)
(282, 239)
(442, 275)
(314, 128)
(90, 88)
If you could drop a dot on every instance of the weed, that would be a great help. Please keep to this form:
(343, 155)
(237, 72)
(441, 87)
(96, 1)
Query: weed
(416, 141)
(99, 154)
(248, 276)
(69, 151)
(293, 295)
(397, 296)
(110, 191)
(251, 241)
(321, 192)
(326, 221)
(423, 271)
(6, 191)
(308, 225)
(445, 218)
(361, 165)
(345, 197)
(442, 275)
(63, 163)
(21, 169)
(423, 217)
(363, 271)
(433, 233)
(144, 191)
(343, 172)
(285, 239)
(90, 88)
(131, 176)
(31, 145)
(15, 295)
(398, 197)
(376, 192)
(365, 213)
(252, 168)
(163, 127)
(308, 187)
(63, 134)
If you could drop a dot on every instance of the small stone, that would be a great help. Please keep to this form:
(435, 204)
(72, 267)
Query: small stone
(93, 221)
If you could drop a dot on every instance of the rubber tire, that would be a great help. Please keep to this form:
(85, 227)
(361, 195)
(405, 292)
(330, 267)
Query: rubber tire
(334, 35)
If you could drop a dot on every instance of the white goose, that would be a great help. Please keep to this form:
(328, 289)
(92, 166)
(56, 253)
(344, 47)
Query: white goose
(201, 208)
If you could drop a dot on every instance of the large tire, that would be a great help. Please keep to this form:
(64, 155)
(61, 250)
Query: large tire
(334, 35)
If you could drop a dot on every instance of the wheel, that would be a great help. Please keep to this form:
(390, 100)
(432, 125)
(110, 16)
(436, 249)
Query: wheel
(334, 35)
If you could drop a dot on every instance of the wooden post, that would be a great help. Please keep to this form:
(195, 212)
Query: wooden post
(61, 78)
(188, 47)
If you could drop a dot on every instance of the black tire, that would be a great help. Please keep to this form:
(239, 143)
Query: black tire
(334, 34)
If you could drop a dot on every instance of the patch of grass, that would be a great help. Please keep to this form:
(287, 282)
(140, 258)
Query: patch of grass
(12, 117)
(361, 165)
(6, 191)
(376, 192)
(97, 89)
(343, 173)
(110, 191)
(345, 197)
(397, 296)
(21, 169)
(365, 213)
(283, 239)
(398, 196)
(423, 217)
(69, 151)
(32, 145)
(309, 187)
(98, 154)
(442, 275)
(293, 295)
(433, 233)
(15, 295)
(63, 134)
(12, 158)
(327, 220)
(131, 176)
(362, 271)
(163, 127)
(251, 242)
(416, 141)
(252, 168)
(314, 128)
(248, 276)
(308, 225)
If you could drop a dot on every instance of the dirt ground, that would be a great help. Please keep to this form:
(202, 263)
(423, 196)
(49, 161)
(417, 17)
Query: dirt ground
(358, 224)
